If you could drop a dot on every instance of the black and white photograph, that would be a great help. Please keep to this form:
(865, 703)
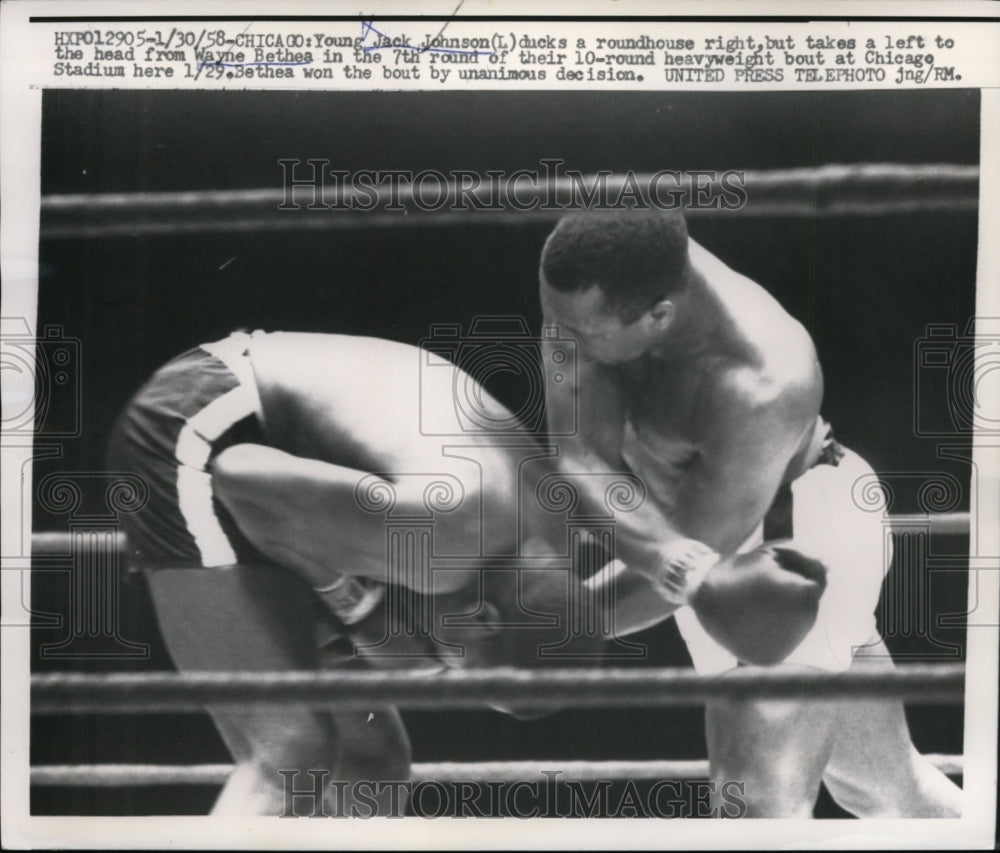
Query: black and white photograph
(545, 455)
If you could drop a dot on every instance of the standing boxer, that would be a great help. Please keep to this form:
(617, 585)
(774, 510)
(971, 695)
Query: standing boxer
(694, 378)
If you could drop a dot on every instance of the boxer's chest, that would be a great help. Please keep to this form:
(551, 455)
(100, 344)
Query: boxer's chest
(664, 402)
(662, 433)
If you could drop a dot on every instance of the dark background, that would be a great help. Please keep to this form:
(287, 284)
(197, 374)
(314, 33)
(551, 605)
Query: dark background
(866, 288)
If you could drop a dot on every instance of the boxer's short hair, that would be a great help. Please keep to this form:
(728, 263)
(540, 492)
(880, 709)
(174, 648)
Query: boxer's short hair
(635, 257)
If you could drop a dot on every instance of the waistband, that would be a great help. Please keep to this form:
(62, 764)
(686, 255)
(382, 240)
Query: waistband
(824, 449)
(234, 352)
(819, 447)
(831, 450)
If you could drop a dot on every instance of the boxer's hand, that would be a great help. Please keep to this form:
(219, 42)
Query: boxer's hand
(350, 598)
(761, 605)
(681, 567)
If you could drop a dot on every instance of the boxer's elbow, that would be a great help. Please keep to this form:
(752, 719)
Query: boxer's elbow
(235, 474)
(249, 485)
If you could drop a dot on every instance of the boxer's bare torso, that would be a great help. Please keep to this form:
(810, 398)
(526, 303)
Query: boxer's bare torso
(714, 418)
(360, 401)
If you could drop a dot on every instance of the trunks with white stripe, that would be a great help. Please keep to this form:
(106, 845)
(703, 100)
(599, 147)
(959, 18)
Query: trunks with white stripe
(192, 408)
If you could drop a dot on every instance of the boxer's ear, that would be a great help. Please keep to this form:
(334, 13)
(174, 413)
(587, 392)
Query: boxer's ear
(663, 312)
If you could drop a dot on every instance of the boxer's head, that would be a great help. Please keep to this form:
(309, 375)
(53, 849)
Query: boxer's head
(522, 620)
(611, 280)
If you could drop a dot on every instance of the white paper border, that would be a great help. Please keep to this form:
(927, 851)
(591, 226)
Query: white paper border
(20, 123)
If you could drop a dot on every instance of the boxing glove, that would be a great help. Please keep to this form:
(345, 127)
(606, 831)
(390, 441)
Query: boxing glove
(760, 605)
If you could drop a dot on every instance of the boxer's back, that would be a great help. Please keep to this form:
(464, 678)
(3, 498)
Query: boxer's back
(349, 394)
(325, 392)
(363, 403)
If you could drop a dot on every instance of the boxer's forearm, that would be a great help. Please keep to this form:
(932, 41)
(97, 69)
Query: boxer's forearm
(759, 606)
(302, 513)
(643, 535)
(749, 604)
(633, 604)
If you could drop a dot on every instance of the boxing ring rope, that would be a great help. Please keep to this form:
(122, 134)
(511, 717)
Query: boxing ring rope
(65, 692)
(58, 543)
(148, 692)
(117, 692)
(129, 775)
(866, 189)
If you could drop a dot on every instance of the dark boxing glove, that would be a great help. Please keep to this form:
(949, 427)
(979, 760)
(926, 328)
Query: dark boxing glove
(761, 605)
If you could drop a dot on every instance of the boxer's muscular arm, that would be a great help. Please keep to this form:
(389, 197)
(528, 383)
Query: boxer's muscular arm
(750, 428)
(759, 605)
(728, 602)
(586, 415)
(303, 513)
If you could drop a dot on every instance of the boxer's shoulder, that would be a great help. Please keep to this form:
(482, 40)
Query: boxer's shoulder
(331, 388)
(774, 349)
(743, 394)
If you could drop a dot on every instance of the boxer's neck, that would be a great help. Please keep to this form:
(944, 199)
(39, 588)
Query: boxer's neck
(700, 324)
